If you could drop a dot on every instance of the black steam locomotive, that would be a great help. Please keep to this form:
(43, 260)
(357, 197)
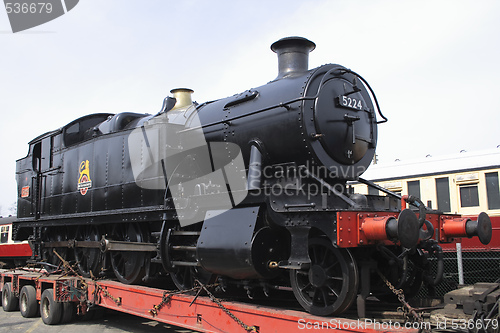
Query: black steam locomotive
(250, 191)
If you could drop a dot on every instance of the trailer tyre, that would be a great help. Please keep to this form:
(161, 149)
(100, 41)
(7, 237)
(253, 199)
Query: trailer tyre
(50, 310)
(9, 301)
(69, 312)
(27, 302)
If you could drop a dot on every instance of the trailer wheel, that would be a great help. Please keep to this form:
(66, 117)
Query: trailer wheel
(68, 313)
(50, 310)
(27, 302)
(9, 301)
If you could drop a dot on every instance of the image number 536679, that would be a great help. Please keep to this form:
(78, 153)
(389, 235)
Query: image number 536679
(25, 8)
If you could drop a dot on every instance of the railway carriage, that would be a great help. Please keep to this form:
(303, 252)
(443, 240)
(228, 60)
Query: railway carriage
(12, 253)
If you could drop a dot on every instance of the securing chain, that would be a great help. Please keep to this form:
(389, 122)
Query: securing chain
(81, 289)
(69, 268)
(105, 292)
(227, 311)
(167, 297)
(406, 308)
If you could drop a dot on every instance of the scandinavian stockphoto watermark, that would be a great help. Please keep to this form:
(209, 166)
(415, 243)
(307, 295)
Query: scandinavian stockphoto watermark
(170, 153)
(448, 324)
(26, 14)
(167, 154)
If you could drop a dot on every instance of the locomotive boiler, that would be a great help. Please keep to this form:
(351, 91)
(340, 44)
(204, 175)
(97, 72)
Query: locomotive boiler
(250, 191)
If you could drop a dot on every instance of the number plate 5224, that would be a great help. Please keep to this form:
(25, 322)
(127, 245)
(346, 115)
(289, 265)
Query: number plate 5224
(349, 102)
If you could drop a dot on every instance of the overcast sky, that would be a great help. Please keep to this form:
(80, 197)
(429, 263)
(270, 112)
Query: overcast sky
(434, 65)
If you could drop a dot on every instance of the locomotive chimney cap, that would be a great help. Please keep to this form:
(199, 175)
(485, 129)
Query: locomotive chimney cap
(293, 55)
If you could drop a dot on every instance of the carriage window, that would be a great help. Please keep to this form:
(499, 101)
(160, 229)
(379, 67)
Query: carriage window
(469, 196)
(373, 191)
(414, 188)
(4, 234)
(443, 194)
(398, 201)
(492, 190)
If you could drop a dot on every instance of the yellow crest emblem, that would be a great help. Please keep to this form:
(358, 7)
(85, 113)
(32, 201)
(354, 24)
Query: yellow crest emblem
(84, 182)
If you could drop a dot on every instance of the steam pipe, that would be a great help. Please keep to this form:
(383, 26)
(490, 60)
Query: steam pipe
(254, 168)
(416, 202)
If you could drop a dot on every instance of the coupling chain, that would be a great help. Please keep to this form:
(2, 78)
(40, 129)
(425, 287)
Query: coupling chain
(406, 308)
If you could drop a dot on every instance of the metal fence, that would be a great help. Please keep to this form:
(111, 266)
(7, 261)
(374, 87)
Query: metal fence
(477, 266)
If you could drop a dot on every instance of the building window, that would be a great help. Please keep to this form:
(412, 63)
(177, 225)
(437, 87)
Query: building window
(443, 194)
(492, 190)
(469, 196)
(414, 188)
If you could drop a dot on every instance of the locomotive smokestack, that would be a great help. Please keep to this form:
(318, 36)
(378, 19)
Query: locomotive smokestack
(293, 55)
